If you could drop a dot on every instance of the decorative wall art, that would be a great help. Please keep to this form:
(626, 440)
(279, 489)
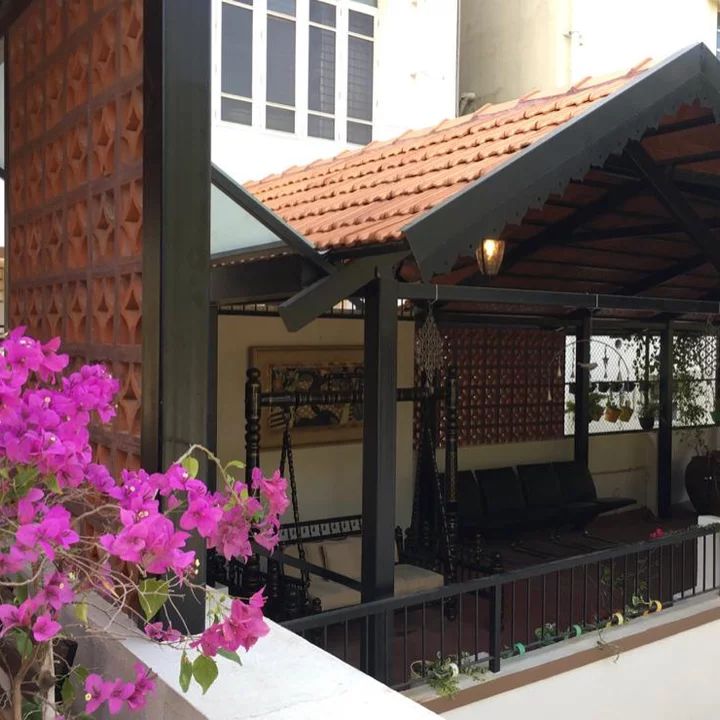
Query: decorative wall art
(311, 369)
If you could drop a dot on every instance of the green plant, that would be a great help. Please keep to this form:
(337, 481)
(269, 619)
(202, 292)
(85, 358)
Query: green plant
(443, 673)
(595, 406)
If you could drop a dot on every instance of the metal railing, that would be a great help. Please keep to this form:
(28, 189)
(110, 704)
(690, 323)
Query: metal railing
(494, 617)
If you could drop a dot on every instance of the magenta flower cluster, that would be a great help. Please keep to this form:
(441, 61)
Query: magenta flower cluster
(48, 482)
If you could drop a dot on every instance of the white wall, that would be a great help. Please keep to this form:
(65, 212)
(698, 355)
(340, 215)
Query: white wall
(636, 30)
(675, 677)
(414, 86)
(510, 47)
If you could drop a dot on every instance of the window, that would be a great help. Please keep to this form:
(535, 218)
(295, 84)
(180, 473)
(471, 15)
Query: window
(236, 64)
(280, 110)
(299, 67)
(360, 77)
(321, 70)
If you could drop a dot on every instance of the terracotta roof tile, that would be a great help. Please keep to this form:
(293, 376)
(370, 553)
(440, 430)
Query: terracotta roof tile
(367, 195)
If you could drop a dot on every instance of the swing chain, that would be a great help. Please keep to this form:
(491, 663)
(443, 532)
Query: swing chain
(286, 455)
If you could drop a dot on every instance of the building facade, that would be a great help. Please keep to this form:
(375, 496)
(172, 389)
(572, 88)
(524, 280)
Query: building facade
(511, 47)
(297, 80)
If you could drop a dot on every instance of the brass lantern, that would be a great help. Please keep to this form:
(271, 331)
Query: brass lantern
(489, 255)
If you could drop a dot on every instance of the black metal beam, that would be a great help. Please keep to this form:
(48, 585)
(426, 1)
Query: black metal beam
(582, 389)
(379, 465)
(671, 197)
(561, 232)
(269, 219)
(662, 276)
(664, 449)
(212, 392)
(580, 301)
(260, 280)
(176, 247)
(308, 304)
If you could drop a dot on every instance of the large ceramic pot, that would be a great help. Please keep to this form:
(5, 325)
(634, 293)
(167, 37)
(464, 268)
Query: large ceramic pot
(701, 481)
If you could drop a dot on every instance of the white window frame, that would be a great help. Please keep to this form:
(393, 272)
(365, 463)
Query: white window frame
(259, 101)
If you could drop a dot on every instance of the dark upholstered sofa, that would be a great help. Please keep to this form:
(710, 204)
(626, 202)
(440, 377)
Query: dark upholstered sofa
(504, 502)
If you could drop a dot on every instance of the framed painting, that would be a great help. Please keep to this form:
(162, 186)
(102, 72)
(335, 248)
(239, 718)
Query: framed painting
(311, 369)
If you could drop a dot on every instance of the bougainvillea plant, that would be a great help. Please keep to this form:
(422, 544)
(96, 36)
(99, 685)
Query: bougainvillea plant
(73, 537)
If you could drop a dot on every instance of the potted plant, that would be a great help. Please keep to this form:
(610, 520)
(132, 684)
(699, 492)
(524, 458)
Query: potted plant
(626, 412)
(647, 412)
(612, 409)
(595, 407)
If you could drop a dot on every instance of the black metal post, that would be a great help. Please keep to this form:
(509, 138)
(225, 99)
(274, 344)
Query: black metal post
(451, 442)
(582, 389)
(379, 440)
(176, 246)
(664, 469)
(496, 627)
(212, 392)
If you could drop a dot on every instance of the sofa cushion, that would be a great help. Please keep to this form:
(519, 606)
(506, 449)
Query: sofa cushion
(313, 555)
(411, 579)
(541, 485)
(333, 595)
(576, 481)
(470, 499)
(501, 489)
(344, 556)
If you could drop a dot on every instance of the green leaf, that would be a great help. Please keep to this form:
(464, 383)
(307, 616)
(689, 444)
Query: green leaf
(230, 655)
(235, 464)
(67, 692)
(23, 643)
(205, 671)
(21, 593)
(81, 673)
(81, 612)
(52, 484)
(191, 465)
(186, 672)
(153, 595)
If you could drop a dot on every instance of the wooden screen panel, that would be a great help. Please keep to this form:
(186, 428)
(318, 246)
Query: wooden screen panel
(75, 187)
(510, 385)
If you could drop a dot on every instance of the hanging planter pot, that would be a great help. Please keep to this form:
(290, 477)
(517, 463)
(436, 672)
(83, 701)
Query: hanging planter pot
(603, 386)
(571, 388)
(626, 412)
(629, 385)
(612, 413)
(647, 422)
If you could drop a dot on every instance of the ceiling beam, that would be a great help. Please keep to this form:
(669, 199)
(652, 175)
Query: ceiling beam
(560, 233)
(663, 276)
(676, 203)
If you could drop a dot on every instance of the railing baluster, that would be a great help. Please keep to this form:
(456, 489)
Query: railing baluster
(543, 607)
(512, 617)
(442, 627)
(625, 572)
(714, 544)
(585, 595)
(527, 614)
(682, 570)
(672, 572)
(477, 624)
(597, 613)
(572, 597)
(422, 640)
(366, 658)
(612, 587)
(660, 574)
(406, 667)
(495, 628)
(557, 602)
(459, 626)
(637, 573)
(346, 641)
(325, 644)
(704, 563)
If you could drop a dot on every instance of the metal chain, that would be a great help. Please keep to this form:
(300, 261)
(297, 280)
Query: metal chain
(286, 454)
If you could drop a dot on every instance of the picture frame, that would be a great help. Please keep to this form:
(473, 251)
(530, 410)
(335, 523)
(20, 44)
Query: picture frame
(313, 369)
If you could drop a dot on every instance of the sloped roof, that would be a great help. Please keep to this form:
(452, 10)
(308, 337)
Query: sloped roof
(367, 196)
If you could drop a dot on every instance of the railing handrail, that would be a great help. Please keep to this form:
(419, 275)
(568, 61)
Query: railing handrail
(376, 607)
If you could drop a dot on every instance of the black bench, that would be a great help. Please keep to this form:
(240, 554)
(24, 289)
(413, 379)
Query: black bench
(502, 503)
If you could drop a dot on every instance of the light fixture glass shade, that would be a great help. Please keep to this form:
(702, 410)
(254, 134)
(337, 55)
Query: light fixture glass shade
(489, 256)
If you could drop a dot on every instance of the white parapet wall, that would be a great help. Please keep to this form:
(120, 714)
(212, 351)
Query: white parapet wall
(282, 678)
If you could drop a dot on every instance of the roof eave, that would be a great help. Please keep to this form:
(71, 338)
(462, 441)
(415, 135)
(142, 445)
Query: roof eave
(504, 195)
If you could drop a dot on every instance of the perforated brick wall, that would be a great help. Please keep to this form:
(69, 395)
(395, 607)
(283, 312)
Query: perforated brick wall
(75, 175)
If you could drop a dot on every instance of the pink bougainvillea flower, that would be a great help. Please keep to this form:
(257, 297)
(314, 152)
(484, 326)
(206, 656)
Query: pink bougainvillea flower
(142, 687)
(12, 616)
(210, 641)
(156, 631)
(45, 628)
(57, 591)
(657, 533)
(245, 625)
(201, 514)
(97, 692)
(118, 693)
(272, 489)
